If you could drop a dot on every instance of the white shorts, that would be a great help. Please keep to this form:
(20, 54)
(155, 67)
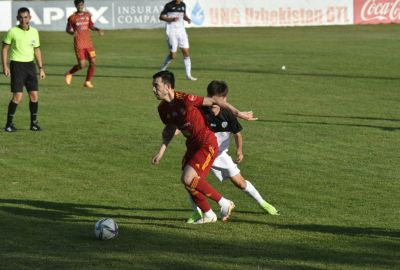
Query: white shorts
(177, 39)
(224, 167)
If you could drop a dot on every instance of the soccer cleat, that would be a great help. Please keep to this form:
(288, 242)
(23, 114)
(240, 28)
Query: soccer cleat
(195, 216)
(205, 219)
(226, 211)
(10, 128)
(191, 78)
(88, 84)
(269, 209)
(68, 78)
(35, 127)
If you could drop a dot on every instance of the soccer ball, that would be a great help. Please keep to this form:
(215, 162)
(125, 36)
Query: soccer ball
(105, 229)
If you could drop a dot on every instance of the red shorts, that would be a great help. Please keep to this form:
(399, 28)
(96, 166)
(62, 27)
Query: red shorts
(87, 53)
(201, 159)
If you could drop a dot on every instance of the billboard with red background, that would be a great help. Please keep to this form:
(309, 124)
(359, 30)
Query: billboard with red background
(376, 11)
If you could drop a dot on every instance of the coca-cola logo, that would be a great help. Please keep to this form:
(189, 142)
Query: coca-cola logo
(380, 10)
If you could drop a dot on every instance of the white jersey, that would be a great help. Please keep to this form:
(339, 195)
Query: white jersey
(174, 10)
(223, 125)
(224, 139)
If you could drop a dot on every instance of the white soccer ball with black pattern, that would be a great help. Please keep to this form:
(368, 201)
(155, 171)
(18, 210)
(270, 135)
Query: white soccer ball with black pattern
(105, 229)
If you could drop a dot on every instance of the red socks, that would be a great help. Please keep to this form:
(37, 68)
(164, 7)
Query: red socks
(73, 69)
(200, 200)
(201, 185)
(90, 72)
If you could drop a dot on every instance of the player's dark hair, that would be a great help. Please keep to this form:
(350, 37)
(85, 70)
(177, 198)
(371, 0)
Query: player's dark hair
(166, 76)
(217, 88)
(23, 10)
(76, 2)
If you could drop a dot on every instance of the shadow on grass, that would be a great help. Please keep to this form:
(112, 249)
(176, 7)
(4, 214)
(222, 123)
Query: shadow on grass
(302, 74)
(67, 211)
(41, 241)
(104, 76)
(252, 71)
(331, 124)
(64, 211)
(341, 230)
(345, 117)
(119, 66)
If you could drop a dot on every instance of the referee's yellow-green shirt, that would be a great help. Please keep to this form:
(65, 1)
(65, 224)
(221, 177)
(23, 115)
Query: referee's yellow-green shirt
(22, 43)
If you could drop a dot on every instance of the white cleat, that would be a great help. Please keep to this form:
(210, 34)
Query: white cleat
(191, 78)
(226, 211)
(205, 219)
(68, 78)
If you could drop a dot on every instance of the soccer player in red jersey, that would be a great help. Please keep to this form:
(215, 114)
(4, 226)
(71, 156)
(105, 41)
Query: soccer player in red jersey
(79, 25)
(180, 111)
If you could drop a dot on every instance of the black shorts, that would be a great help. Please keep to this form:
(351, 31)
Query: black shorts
(23, 74)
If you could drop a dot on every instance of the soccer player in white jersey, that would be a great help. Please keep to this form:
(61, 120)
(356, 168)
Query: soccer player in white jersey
(224, 123)
(174, 14)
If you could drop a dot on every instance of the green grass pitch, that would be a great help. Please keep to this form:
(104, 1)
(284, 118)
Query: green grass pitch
(325, 152)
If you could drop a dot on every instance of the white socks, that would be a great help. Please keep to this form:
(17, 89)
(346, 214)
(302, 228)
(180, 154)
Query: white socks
(188, 66)
(186, 61)
(224, 202)
(209, 214)
(167, 60)
(252, 192)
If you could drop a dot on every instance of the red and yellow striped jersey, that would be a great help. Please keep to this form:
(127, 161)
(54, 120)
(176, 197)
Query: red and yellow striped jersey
(184, 112)
(81, 23)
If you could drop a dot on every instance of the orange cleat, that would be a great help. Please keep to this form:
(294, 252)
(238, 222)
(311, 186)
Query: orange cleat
(88, 84)
(68, 78)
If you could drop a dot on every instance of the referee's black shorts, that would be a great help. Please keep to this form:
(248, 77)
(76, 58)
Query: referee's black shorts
(23, 74)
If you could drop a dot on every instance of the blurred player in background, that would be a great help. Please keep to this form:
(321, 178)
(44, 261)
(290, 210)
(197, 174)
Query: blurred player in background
(174, 14)
(79, 25)
(181, 111)
(22, 44)
(224, 123)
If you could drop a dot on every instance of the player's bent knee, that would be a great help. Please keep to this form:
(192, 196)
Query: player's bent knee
(189, 180)
(16, 101)
(239, 182)
(189, 175)
(34, 98)
(185, 53)
(17, 98)
(186, 181)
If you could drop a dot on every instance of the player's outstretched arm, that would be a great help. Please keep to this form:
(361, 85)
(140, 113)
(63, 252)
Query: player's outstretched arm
(98, 30)
(168, 134)
(157, 158)
(239, 146)
(209, 101)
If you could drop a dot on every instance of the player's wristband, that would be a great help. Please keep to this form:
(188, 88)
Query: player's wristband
(40, 67)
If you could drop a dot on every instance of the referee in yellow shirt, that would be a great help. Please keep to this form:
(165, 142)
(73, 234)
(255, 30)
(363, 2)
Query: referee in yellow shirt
(22, 44)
